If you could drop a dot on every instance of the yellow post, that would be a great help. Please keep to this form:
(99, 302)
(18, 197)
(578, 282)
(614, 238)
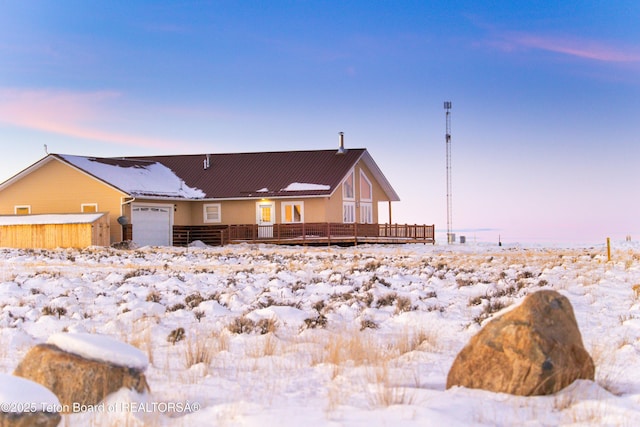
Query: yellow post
(608, 249)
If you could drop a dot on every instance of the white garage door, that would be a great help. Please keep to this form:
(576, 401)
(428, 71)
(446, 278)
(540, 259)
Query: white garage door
(152, 225)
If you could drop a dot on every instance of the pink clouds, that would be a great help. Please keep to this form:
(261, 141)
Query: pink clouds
(75, 114)
(582, 48)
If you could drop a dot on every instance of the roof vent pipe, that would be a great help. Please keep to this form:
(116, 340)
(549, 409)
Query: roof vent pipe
(207, 162)
(341, 149)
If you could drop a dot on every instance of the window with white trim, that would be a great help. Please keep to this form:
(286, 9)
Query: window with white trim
(349, 212)
(292, 212)
(212, 212)
(366, 189)
(89, 207)
(22, 210)
(348, 192)
(366, 213)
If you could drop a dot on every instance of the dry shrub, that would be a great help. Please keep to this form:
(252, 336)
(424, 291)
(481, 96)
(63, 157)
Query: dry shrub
(403, 304)
(176, 335)
(198, 349)
(320, 321)
(609, 375)
(241, 325)
(263, 346)
(193, 300)
(153, 296)
(244, 325)
(409, 340)
(380, 392)
(368, 324)
(387, 300)
(352, 346)
(266, 326)
(141, 335)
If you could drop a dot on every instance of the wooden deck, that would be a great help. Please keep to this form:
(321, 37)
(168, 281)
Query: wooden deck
(305, 234)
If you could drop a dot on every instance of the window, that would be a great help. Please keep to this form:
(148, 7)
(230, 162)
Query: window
(212, 213)
(349, 212)
(22, 210)
(292, 212)
(347, 188)
(89, 207)
(366, 213)
(366, 189)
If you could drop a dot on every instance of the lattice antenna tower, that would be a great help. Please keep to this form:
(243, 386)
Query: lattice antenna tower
(450, 236)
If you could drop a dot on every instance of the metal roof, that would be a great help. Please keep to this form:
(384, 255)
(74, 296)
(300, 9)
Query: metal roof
(246, 175)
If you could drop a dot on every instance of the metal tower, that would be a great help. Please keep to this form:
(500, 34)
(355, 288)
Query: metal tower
(450, 236)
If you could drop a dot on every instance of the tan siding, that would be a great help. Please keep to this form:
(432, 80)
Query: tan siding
(314, 210)
(184, 213)
(58, 188)
(334, 206)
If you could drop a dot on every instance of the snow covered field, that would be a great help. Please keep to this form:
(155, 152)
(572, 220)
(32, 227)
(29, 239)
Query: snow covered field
(254, 335)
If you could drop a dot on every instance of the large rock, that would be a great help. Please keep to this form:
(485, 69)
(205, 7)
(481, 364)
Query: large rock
(27, 404)
(534, 349)
(29, 419)
(77, 380)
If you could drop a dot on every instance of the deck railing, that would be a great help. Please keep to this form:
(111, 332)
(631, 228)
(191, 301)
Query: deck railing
(310, 232)
(305, 233)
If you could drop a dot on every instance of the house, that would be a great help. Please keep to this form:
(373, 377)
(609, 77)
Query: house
(167, 200)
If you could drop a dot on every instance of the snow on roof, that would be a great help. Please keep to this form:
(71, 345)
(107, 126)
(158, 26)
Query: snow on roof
(136, 178)
(49, 219)
(100, 347)
(303, 186)
(17, 393)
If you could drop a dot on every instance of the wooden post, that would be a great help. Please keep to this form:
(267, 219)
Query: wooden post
(328, 233)
(389, 211)
(355, 232)
(608, 249)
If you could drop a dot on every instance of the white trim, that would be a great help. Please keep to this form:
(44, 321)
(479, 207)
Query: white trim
(349, 212)
(368, 181)
(366, 213)
(284, 211)
(265, 228)
(265, 203)
(205, 216)
(344, 188)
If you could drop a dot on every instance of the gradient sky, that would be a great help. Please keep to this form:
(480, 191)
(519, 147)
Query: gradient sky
(546, 97)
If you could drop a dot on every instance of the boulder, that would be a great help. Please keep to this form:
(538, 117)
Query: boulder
(27, 404)
(534, 349)
(80, 380)
(29, 419)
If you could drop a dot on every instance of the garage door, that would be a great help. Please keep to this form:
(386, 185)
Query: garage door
(152, 225)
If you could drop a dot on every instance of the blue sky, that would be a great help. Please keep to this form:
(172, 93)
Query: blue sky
(546, 97)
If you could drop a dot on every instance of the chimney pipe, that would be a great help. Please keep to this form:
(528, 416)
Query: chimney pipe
(341, 149)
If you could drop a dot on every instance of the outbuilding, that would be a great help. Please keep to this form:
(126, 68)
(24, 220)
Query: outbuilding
(50, 231)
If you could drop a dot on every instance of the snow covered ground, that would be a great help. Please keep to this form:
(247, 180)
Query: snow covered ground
(254, 335)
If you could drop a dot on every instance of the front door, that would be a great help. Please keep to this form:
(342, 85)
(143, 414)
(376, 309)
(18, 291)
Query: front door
(265, 219)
